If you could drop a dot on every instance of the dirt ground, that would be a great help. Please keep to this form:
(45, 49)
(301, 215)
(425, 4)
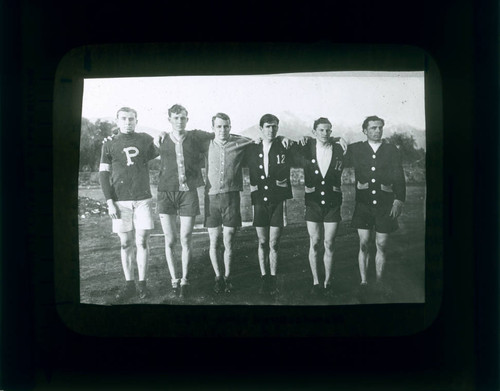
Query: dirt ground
(101, 274)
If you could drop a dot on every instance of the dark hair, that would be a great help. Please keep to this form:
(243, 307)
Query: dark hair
(127, 110)
(268, 118)
(371, 118)
(176, 109)
(321, 120)
(222, 116)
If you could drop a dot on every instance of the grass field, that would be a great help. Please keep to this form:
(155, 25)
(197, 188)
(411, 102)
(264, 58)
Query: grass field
(101, 274)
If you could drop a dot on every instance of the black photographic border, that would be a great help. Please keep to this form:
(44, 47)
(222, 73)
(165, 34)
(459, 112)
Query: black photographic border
(130, 60)
(458, 351)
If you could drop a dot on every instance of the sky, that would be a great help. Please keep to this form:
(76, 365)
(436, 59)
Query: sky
(344, 97)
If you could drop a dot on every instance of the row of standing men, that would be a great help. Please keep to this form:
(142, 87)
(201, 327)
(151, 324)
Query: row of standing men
(124, 179)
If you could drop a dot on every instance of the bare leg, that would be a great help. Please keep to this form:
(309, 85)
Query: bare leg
(263, 249)
(381, 242)
(363, 257)
(314, 230)
(329, 241)
(127, 254)
(215, 236)
(186, 236)
(274, 246)
(229, 235)
(141, 242)
(169, 227)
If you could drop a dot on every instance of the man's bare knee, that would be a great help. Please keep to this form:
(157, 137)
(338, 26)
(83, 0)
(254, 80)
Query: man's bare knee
(141, 239)
(329, 245)
(215, 244)
(141, 242)
(274, 245)
(170, 242)
(126, 244)
(263, 243)
(381, 246)
(228, 239)
(364, 246)
(315, 244)
(186, 241)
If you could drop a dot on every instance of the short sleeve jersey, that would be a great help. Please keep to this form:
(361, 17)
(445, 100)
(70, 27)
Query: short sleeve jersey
(127, 156)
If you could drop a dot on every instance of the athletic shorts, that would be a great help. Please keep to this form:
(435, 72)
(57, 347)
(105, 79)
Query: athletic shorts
(368, 217)
(133, 215)
(272, 214)
(184, 203)
(223, 209)
(322, 214)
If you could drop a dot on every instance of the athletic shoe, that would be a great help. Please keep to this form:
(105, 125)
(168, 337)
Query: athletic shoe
(219, 285)
(144, 293)
(316, 290)
(143, 289)
(184, 291)
(229, 285)
(264, 285)
(273, 288)
(126, 292)
(363, 288)
(175, 288)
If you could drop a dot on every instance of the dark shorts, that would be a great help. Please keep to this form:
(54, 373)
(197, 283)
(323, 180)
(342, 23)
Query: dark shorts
(223, 209)
(322, 214)
(184, 203)
(269, 215)
(368, 217)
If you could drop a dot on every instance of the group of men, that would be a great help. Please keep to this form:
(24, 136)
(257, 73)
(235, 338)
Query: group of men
(124, 178)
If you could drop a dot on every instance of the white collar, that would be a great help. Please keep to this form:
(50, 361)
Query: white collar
(175, 139)
(374, 146)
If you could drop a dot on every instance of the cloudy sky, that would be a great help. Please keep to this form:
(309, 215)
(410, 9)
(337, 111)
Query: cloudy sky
(344, 97)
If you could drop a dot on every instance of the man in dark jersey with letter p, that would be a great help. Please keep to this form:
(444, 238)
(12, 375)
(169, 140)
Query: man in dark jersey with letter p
(124, 179)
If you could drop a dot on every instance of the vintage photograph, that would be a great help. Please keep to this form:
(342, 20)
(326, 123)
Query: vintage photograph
(278, 189)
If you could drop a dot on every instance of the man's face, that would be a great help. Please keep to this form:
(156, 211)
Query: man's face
(221, 128)
(178, 121)
(323, 132)
(269, 130)
(374, 131)
(126, 121)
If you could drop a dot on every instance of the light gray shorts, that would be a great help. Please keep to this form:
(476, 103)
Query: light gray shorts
(133, 215)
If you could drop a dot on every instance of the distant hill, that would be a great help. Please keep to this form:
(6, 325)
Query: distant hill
(290, 126)
(294, 128)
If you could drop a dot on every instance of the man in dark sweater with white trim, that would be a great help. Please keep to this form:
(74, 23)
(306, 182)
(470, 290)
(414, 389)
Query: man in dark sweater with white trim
(322, 160)
(380, 193)
(269, 165)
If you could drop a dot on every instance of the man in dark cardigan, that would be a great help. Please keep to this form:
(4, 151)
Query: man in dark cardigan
(322, 160)
(269, 167)
(380, 193)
